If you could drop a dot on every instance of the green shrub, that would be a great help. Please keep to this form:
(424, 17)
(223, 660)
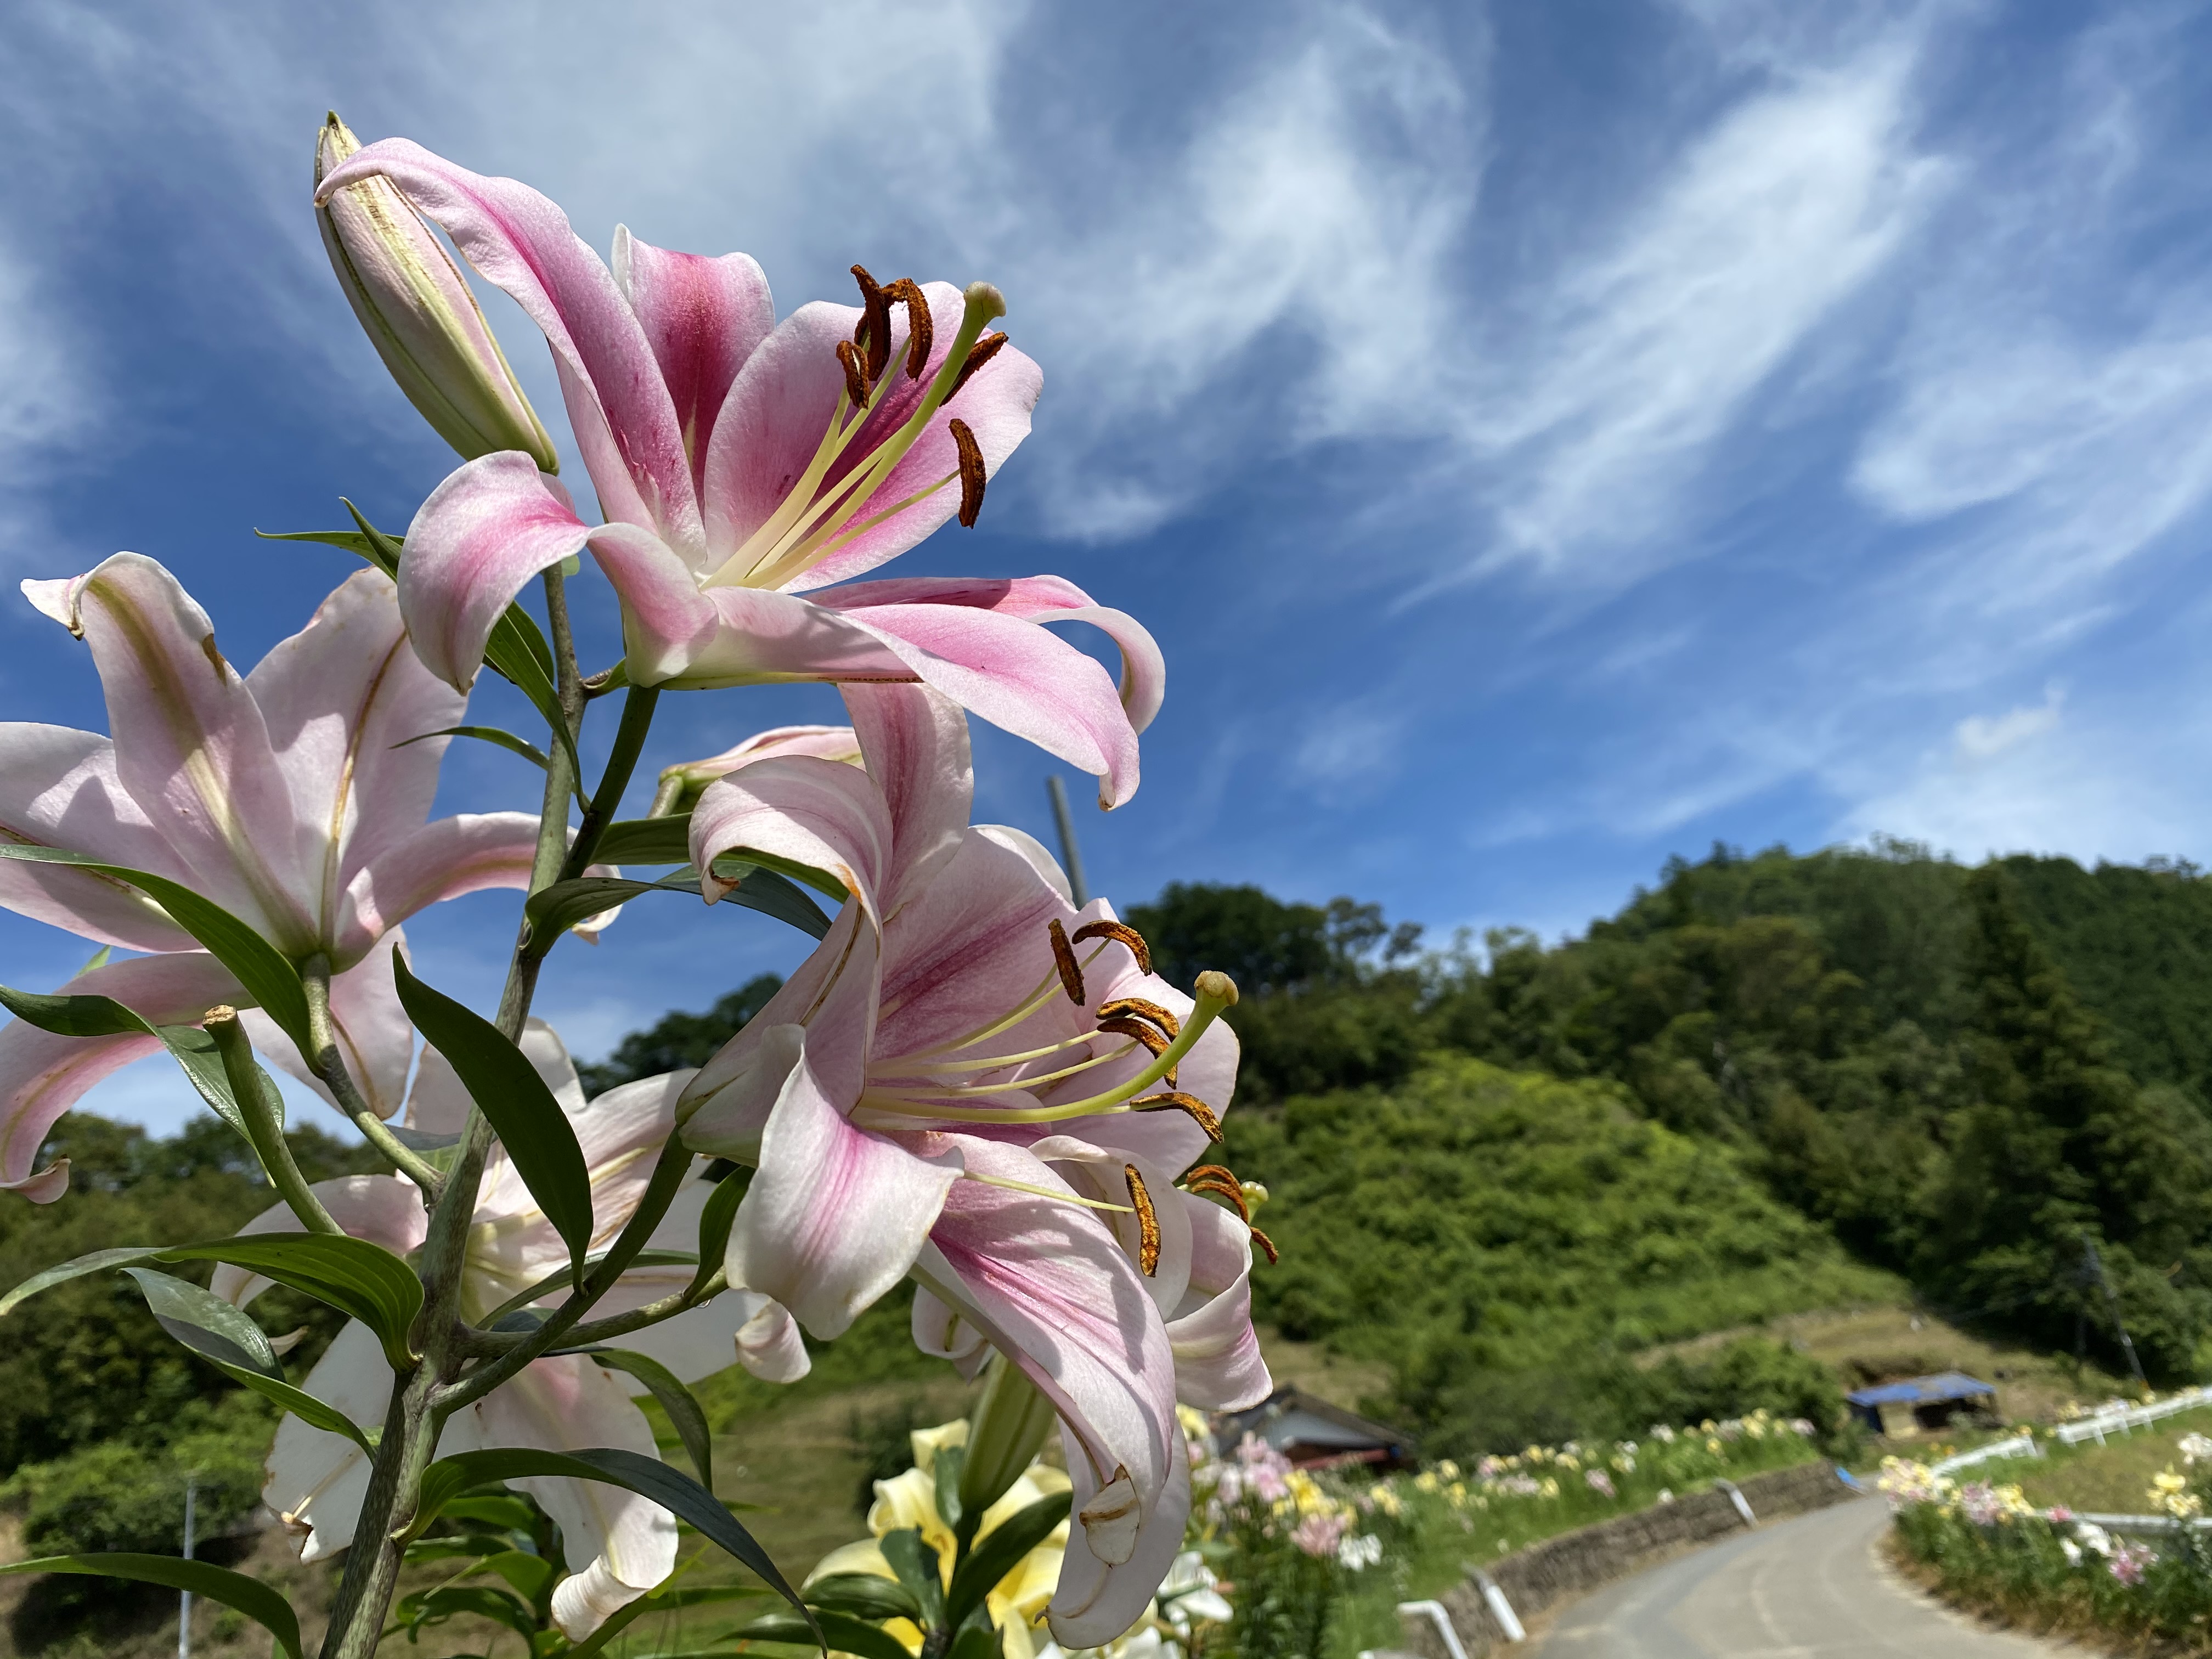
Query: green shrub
(129, 1495)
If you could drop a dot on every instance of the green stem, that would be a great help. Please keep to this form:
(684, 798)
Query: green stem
(263, 1109)
(328, 1064)
(638, 704)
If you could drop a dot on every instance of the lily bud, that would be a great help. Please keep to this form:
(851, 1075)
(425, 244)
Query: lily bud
(682, 784)
(420, 316)
(1008, 1426)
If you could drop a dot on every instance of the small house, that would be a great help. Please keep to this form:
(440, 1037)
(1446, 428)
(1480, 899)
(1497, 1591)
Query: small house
(1309, 1430)
(1922, 1405)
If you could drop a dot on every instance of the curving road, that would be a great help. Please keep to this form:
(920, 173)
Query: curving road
(1809, 1587)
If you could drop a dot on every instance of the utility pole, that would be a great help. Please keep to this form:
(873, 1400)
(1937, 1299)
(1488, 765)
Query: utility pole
(2096, 1266)
(184, 1597)
(1071, 856)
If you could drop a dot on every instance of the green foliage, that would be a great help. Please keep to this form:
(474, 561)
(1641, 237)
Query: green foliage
(122, 1495)
(85, 1363)
(679, 1040)
(1484, 1231)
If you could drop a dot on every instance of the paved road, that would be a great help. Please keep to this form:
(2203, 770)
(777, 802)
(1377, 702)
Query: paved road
(1810, 1588)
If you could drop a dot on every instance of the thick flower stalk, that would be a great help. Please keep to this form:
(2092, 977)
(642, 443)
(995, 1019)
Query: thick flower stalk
(939, 1090)
(749, 471)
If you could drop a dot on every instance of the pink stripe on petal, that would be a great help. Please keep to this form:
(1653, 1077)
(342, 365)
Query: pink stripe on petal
(704, 318)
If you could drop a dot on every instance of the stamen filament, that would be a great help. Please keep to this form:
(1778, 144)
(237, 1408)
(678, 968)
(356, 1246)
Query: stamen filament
(1036, 999)
(966, 1089)
(993, 1062)
(1012, 1186)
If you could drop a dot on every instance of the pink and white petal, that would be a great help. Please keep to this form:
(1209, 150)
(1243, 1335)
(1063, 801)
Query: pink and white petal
(1101, 1172)
(438, 1105)
(1035, 599)
(725, 1105)
(914, 743)
(1034, 853)
(770, 1347)
(835, 1215)
(831, 743)
(58, 789)
(42, 1075)
(489, 526)
(738, 1327)
(192, 748)
(341, 698)
(523, 242)
(702, 317)
(443, 859)
(772, 421)
(1015, 675)
(618, 1545)
(941, 1332)
(666, 621)
(385, 1210)
(996, 405)
(376, 1037)
(317, 1480)
(971, 946)
(1219, 1364)
(814, 813)
(1055, 1291)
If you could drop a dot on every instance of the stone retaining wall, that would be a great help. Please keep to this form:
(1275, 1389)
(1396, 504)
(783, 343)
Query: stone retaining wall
(1547, 1573)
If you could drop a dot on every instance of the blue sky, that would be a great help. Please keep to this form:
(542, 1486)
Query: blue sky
(1544, 436)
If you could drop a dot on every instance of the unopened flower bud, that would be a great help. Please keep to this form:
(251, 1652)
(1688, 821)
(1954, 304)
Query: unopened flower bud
(1008, 1426)
(420, 314)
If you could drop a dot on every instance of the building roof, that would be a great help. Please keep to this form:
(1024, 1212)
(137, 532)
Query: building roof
(1922, 1390)
(1291, 1417)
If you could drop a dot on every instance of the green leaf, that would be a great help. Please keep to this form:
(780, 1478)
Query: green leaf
(434, 1607)
(557, 908)
(491, 734)
(863, 1594)
(206, 1324)
(774, 893)
(476, 1544)
(716, 1217)
(682, 1406)
(85, 1015)
(532, 1575)
(494, 1509)
(649, 1477)
(359, 1278)
(1001, 1551)
(662, 1600)
(97, 959)
(917, 1564)
(268, 978)
(647, 840)
(383, 553)
(944, 1474)
(540, 1141)
(977, 1640)
(264, 1606)
(840, 1631)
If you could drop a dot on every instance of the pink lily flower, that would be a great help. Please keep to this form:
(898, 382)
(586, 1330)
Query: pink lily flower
(916, 1093)
(284, 795)
(747, 468)
(618, 1545)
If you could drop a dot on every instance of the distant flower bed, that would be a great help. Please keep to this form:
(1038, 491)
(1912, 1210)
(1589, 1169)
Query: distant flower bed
(1985, 1545)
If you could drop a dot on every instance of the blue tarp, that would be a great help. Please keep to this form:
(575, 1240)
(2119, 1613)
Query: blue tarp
(1922, 1390)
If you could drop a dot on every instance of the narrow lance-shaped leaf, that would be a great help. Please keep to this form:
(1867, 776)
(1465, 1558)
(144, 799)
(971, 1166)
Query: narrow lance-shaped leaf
(86, 1016)
(1000, 1552)
(865, 1595)
(843, 1633)
(229, 1341)
(268, 977)
(682, 1406)
(263, 1604)
(490, 734)
(649, 1477)
(539, 1140)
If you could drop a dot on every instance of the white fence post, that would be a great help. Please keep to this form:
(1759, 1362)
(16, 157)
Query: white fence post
(1500, 1609)
(1735, 1496)
(1435, 1614)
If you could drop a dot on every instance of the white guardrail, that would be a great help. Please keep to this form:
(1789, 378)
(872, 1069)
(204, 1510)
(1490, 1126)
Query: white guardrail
(2097, 1424)
(2021, 1445)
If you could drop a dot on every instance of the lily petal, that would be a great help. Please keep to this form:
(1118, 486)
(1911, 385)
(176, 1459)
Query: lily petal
(613, 386)
(340, 697)
(465, 854)
(817, 812)
(703, 317)
(376, 1039)
(618, 1545)
(42, 1075)
(835, 1215)
(914, 743)
(385, 1210)
(318, 1481)
(192, 748)
(1218, 1365)
(1053, 1290)
(58, 788)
